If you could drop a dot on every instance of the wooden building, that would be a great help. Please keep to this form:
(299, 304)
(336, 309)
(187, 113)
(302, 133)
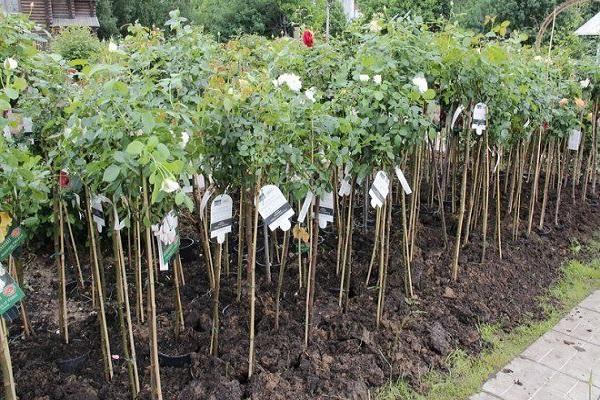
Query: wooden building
(54, 14)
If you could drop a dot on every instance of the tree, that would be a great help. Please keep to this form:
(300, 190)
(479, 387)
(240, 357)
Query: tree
(108, 22)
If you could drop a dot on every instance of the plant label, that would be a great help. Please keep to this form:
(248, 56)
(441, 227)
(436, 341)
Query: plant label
(167, 239)
(379, 190)
(98, 212)
(199, 181)
(345, 187)
(574, 139)
(187, 184)
(209, 192)
(325, 210)
(403, 181)
(10, 292)
(308, 200)
(221, 217)
(12, 242)
(119, 223)
(274, 208)
(457, 113)
(479, 118)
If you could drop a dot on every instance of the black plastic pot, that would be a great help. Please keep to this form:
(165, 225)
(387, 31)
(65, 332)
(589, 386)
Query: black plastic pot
(180, 361)
(71, 365)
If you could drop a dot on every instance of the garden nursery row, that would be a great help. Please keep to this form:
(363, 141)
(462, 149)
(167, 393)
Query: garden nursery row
(280, 218)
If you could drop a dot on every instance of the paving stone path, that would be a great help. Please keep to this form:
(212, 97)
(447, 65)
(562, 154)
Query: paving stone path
(564, 364)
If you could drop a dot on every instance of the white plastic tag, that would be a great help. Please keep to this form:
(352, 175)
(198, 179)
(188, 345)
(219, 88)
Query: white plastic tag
(574, 139)
(98, 212)
(209, 192)
(305, 206)
(403, 181)
(187, 184)
(200, 182)
(166, 235)
(380, 189)
(221, 217)
(479, 118)
(325, 210)
(457, 113)
(274, 208)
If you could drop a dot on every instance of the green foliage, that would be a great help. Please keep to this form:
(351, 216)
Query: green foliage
(427, 9)
(76, 43)
(236, 17)
(108, 20)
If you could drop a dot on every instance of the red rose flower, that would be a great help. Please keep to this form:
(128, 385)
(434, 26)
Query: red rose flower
(308, 38)
(63, 179)
(546, 125)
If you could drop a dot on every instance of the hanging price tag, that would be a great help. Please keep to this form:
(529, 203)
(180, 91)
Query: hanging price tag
(221, 217)
(199, 182)
(403, 181)
(574, 139)
(379, 190)
(167, 239)
(308, 200)
(345, 186)
(325, 210)
(274, 208)
(10, 292)
(187, 184)
(98, 212)
(12, 242)
(479, 118)
(457, 113)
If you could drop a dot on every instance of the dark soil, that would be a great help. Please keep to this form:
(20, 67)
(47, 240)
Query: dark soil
(348, 358)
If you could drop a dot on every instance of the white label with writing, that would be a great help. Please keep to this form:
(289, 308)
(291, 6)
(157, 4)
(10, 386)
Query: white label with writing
(574, 139)
(274, 208)
(403, 181)
(305, 206)
(325, 210)
(221, 217)
(479, 118)
(380, 189)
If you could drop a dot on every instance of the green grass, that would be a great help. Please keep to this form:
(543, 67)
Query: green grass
(467, 373)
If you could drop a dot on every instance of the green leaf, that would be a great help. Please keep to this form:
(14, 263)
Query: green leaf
(135, 148)
(11, 93)
(20, 83)
(111, 173)
(180, 198)
(429, 94)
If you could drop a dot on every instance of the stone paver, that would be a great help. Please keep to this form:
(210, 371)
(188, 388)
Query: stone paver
(558, 366)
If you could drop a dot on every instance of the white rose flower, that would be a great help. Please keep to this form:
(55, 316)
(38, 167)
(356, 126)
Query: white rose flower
(585, 83)
(310, 94)
(363, 78)
(377, 79)
(420, 82)
(169, 185)
(10, 63)
(185, 138)
(112, 47)
(375, 26)
(291, 80)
